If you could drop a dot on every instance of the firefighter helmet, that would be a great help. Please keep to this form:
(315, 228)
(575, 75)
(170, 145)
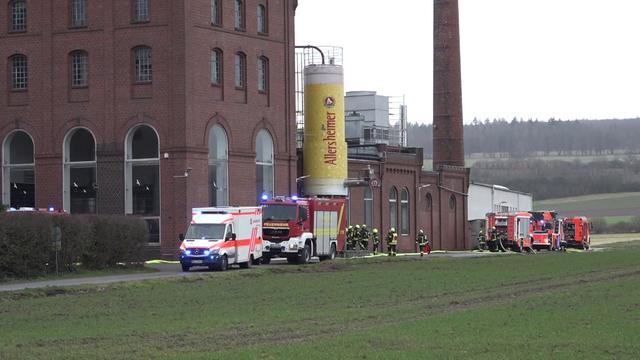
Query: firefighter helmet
(364, 226)
(357, 226)
(375, 231)
(421, 232)
(392, 230)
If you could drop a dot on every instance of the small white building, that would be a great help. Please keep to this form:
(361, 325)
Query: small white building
(485, 198)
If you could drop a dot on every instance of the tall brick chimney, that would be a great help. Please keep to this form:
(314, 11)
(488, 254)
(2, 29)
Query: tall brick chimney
(448, 145)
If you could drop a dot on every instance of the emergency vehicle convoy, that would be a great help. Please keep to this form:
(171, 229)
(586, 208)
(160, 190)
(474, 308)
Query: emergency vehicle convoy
(220, 236)
(535, 230)
(301, 228)
(577, 232)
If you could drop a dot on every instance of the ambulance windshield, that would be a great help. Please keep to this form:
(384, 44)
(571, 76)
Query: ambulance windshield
(279, 212)
(206, 231)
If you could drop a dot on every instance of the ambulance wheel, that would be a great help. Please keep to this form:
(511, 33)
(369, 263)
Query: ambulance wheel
(266, 260)
(305, 256)
(255, 261)
(223, 264)
(185, 268)
(246, 265)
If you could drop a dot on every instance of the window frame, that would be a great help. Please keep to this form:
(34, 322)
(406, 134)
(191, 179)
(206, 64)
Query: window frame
(240, 22)
(240, 71)
(216, 12)
(73, 72)
(136, 11)
(14, 74)
(137, 68)
(13, 16)
(218, 55)
(270, 162)
(263, 75)
(73, 15)
(404, 207)
(368, 206)
(262, 19)
(393, 208)
(68, 165)
(7, 166)
(219, 161)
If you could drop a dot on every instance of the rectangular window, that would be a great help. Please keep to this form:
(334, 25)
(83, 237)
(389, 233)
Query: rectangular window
(78, 13)
(216, 67)
(19, 75)
(144, 71)
(22, 184)
(141, 10)
(240, 71)
(79, 70)
(262, 19)
(216, 12)
(262, 74)
(19, 16)
(146, 190)
(82, 192)
(240, 18)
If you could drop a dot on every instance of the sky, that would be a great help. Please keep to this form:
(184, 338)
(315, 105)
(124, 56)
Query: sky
(529, 59)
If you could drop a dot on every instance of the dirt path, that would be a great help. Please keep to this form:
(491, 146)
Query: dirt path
(603, 239)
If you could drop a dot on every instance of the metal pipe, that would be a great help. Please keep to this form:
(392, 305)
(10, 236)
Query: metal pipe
(312, 47)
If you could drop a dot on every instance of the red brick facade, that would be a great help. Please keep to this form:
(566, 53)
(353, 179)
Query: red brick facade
(180, 103)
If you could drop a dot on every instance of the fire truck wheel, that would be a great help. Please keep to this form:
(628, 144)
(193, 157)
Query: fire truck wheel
(185, 268)
(305, 256)
(332, 254)
(223, 264)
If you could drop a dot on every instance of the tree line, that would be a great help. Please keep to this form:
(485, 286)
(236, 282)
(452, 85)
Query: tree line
(530, 138)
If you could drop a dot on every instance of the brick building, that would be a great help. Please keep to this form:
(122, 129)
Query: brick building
(146, 107)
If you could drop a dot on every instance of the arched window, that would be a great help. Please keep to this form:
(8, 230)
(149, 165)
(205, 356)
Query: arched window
(452, 202)
(264, 164)
(80, 187)
(140, 10)
(18, 171)
(428, 201)
(262, 19)
(240, 18)
(216, 67)
(142, 177)
(78, 13)
(79, 68)
(393, 208)
(142, 64)
(368, 207)
(218, 167)
(241, 70)
(18, 15)
(19, 72)
(404, 212)
(216, 12)
(263, 74)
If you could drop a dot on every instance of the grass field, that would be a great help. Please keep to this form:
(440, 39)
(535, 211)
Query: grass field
(613, 207)
(571, 305)
(81, 273)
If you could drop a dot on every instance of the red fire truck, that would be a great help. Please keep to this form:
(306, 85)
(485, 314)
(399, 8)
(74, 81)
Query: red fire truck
(301, 228)
(513, 230)
(547, 230)
(577, 232)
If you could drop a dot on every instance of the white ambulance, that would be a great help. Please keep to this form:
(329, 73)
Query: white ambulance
(220, 236)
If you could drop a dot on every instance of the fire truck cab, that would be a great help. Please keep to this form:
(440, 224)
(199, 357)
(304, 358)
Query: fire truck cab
(220, 236)
(301, 228)
(577, 232)
(547, 230)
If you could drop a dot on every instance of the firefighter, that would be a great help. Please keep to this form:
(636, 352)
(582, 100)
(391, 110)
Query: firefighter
(375, 239)
(423, 243)
(364, 237)
(355, 238)
(492, 242)
(482, 241)
(349, 236)
(392, 242)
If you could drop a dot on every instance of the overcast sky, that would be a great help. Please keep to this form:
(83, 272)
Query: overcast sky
(566, 59)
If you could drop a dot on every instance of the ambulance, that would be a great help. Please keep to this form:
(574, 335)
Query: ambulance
(221, 236)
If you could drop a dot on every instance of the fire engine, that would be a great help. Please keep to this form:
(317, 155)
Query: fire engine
(547, 230)
(299, 228)
(220, 236)
(577, 232)
(513, 230)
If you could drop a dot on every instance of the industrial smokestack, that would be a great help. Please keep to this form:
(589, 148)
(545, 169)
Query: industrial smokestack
(448, 144)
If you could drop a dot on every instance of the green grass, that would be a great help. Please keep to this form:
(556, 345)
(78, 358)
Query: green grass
(617, 219)
(547, 305)
(80, 273)
(592, 202)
